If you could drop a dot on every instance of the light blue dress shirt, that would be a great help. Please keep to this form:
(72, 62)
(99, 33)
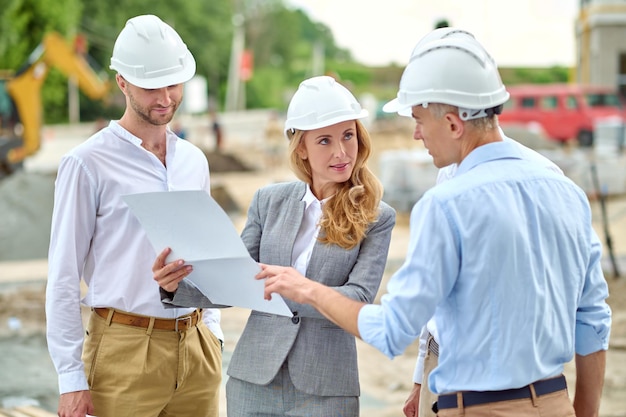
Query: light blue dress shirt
(505, 257)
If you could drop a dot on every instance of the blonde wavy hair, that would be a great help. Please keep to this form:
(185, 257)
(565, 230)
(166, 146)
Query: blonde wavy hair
(347, 215)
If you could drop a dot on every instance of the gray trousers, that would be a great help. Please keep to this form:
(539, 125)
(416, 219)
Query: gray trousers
(281, 398)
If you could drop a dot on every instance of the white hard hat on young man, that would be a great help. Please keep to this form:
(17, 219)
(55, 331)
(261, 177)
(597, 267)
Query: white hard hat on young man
(149, 53)
(320, 102)
(454, 70)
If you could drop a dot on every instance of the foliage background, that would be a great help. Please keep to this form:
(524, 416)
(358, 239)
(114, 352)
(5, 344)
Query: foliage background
(282, 40)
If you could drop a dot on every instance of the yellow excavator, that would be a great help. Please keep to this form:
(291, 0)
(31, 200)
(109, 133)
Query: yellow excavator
(20, 97)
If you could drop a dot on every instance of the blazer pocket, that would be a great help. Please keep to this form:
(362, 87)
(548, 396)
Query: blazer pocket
(331, 326)
(260, 313)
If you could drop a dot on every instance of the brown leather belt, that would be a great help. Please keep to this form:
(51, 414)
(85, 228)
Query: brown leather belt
(179, 324)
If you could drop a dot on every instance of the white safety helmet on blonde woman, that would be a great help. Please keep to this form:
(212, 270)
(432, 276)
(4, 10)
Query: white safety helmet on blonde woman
(455, 70)
(150, 54)
(320, 102)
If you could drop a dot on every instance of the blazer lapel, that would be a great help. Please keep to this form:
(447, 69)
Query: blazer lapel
(321, 253)
(292, 219)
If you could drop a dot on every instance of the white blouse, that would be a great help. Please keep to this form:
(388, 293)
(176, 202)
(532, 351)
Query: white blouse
(309, 230)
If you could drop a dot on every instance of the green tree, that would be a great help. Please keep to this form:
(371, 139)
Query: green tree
(204, 26)
(23, 24)
(283, 41)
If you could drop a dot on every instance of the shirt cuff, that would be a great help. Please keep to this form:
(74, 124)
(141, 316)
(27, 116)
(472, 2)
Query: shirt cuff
(73, 381)
(418, 374)
(370, 328)
(589, 341)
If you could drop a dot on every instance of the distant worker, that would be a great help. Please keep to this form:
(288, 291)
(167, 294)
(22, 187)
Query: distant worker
(217, 131)
(503, 256)
(178, 129)
(138, 358)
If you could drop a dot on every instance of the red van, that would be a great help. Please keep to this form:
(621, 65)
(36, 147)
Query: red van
(564, 111)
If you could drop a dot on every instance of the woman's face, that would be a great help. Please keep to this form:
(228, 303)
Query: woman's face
(331, 152)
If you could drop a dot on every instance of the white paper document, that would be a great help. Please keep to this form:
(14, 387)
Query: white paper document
(198, 231)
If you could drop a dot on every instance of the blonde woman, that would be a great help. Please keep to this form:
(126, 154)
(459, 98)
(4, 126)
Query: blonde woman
(331, 227)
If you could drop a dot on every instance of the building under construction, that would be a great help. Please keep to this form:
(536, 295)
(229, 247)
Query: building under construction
(601, 43)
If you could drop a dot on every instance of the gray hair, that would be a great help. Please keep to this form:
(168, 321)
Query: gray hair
(438, 110)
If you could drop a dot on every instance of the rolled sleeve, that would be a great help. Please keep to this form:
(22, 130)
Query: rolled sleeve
(593, 316)
(370, 324)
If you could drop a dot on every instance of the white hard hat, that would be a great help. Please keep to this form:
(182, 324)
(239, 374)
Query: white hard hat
(150, 54)
(442, 33)
(320, 102)
(455, 70)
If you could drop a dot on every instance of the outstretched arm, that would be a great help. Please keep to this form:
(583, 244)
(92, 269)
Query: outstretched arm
(289, 283)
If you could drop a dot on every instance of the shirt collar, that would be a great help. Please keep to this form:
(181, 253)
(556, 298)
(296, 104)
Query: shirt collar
(126, 135)
(309, 198)
(489, 152)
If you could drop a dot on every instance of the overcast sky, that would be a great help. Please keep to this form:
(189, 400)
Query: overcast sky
(516, 33)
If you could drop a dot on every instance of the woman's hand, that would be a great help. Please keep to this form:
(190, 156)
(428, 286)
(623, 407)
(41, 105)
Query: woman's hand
(169, 275)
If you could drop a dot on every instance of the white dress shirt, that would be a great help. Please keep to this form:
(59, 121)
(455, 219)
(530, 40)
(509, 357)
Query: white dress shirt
(95, 237)
(307, 235)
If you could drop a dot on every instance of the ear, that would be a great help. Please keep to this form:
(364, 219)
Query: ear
(456, 126)
(301, 151)
(121, 82)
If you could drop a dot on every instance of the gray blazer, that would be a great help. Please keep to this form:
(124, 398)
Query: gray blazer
(321, 357)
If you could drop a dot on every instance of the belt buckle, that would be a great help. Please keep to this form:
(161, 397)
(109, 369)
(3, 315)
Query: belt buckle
(186, 319)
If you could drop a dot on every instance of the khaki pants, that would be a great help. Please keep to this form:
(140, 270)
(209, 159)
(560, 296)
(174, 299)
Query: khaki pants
(140, 372)
(556, 404)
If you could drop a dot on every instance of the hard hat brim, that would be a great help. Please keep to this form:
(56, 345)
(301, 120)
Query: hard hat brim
(394, 106)
(164, 81)
(325, 123)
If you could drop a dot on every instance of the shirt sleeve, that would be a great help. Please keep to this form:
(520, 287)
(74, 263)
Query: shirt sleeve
(412, 294)
(73, 222)
(418, 374)
(212, 316)
(593, 316)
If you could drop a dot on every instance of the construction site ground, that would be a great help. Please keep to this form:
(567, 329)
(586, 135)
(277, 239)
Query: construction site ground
(28, 381)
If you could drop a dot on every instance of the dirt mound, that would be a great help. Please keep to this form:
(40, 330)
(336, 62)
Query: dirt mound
(26, 205)
(224, 162)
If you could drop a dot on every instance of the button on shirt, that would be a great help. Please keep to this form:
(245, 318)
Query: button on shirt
(505, 257)
(96, 237)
